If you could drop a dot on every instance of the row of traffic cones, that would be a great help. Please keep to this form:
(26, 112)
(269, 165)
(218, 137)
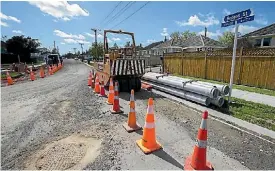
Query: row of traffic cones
(51, 71)
(148, 142)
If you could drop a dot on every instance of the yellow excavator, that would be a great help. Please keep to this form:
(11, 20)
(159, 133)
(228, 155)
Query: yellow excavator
(121, 64)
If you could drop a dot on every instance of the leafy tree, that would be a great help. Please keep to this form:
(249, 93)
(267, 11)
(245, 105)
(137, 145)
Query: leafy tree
(175, 35)
(128, 44)
(186, 34)
(227, 38)
(182, 35)
(92, 50)
(22, 46)
(115, 45)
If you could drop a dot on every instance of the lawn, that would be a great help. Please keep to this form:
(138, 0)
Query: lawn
(12, 74)
(256, 113)
(239, 87)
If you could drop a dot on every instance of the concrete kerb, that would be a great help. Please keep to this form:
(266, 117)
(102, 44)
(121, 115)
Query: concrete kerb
(240, 123)
(228, 119)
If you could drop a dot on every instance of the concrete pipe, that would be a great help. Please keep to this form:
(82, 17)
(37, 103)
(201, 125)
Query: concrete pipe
(166, 80)
(218, 101)
(183, 94)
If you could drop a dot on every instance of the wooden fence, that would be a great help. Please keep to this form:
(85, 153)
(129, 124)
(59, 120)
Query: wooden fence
(254, 67)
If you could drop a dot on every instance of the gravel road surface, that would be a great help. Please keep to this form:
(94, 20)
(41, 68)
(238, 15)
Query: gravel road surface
(58, 123)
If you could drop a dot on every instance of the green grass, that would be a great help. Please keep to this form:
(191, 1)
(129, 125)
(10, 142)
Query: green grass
(256, 113)
(240, 87)
(12, 74)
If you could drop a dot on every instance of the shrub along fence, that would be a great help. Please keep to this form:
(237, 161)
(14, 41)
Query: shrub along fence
(254, 67)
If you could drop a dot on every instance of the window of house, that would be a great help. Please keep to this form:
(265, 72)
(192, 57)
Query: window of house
(258, 42)
(267, 41)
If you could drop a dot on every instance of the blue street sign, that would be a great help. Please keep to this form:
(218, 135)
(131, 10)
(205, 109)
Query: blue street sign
(243, 20)
(230, 23)
(237, 16)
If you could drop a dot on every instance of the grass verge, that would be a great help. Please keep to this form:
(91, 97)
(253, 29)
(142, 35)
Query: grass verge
(12, 74)
(256, 113)
(239, 87)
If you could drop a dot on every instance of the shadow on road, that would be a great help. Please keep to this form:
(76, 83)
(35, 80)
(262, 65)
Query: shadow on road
(141, 95)
(165, 156)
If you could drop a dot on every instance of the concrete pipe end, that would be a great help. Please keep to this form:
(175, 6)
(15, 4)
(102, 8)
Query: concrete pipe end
(225, 89)
(215, 93)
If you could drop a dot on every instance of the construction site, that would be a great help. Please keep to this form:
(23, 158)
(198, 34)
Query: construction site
(185, 103)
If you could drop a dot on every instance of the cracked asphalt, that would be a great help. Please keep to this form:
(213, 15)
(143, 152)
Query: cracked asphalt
(35, 114)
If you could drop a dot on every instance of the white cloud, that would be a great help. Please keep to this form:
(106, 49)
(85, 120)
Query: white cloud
(3, 24)
(17, 31)
(164, 32)
(89, 34)
(194, 20)
(66, 35)
(150, 41)
(260, 19)
(243, 29)
(6, 17)
(109, 40)
(75, 41)
(100, 36)
(55, 20)
(226, 12)
(62, 43)
(127, 38)
(210, 34)
(60, 9)
(115, 39)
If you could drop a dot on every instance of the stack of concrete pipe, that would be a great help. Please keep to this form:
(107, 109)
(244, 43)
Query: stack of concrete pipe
(197, 91)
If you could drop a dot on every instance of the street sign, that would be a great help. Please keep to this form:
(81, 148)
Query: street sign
(243, 20)
(237, 16)
(228, 24)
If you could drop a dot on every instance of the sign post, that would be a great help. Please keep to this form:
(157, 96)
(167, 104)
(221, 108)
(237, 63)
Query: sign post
(236, 19)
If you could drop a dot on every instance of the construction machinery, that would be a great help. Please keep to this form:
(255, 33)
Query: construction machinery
(121, 64)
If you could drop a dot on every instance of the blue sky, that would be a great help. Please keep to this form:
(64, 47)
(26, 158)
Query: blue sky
(69, 23)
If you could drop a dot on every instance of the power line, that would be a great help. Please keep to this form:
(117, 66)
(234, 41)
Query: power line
(131, 14)
(126, 7)
(111, 12)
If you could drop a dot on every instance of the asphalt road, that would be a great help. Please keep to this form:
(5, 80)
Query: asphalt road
(58, 123)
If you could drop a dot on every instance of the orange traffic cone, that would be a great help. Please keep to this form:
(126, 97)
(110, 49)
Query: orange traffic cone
(102, 89)
(111, 94)
(197, 161)
(9, 79)
(32, 76)
(132, 125)
(89, 81)
(42, 74)
(97, 88)
(93, 81)
(116, 106)
(148, 142)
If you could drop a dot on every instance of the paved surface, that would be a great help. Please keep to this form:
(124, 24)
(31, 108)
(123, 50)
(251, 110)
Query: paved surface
(254, 97)
(246, 95)
(58, 116)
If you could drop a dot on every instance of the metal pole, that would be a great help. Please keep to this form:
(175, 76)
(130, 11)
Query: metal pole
(233, 62)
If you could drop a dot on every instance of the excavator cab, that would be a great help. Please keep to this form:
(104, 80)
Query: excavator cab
(121, 64)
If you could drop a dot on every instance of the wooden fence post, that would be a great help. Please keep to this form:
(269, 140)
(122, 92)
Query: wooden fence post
(182, 54)
(205, 64)
(241, 66)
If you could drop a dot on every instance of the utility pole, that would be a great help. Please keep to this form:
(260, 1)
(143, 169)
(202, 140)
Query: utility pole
(95, 30)
(81, 44)
(74, 50)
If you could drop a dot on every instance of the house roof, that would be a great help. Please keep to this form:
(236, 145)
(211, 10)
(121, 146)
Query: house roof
(152, 45)
(263, 31)
(193, 41)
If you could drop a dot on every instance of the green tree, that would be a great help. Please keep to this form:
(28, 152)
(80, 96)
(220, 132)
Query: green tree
(115, 45)
(186, 34)
(22, 46)
(92, 50)
(227, 38)
(175, 35)
(128, 44)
